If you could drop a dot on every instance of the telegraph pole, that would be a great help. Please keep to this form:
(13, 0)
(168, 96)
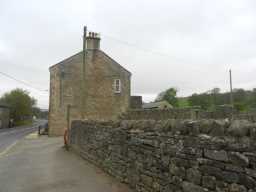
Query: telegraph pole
(83, 74)
(231, 92)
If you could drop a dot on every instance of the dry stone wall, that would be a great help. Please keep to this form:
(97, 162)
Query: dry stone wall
(186, 113)
(160, 114)
(172, 155)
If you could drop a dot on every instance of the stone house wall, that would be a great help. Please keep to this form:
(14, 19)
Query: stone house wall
(98, 101)
(102, 103)
(65, 86)
(136, 102)
(172, 155)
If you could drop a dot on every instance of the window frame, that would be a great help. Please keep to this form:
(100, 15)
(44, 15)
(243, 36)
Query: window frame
(117, 86)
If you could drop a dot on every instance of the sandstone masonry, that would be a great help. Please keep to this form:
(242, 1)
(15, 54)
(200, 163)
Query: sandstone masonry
(172, 155)
(91, 83)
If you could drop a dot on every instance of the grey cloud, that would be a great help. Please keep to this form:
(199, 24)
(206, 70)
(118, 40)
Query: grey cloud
(188, 44)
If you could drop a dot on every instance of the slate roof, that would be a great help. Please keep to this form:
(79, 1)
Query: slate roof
(156, 104)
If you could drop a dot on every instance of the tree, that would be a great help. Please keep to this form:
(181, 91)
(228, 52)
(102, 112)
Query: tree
(39, 113)
(215, 90)
(203, 100)
(21, 104)
(240, 99)
(214, 95)
(253, 98)
(169, 95)
(244, 100)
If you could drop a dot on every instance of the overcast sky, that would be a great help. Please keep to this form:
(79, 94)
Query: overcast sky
(187, 44)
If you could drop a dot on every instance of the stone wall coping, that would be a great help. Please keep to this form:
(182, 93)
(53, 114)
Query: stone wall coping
(210, 127)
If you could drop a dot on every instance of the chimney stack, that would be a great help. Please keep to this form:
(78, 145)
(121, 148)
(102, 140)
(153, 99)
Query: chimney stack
(93, 41)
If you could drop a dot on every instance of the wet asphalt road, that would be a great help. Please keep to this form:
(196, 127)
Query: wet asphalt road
(41, 164)
(10, 136)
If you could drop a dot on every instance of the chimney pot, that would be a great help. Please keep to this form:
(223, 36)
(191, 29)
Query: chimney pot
(93, 41)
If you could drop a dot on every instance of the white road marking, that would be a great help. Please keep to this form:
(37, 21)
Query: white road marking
(8, 149)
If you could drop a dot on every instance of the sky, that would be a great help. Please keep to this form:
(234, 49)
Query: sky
(186, 44)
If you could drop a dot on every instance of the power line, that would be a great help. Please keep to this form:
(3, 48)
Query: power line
(22, 82)
(136, 46)
(143, 49)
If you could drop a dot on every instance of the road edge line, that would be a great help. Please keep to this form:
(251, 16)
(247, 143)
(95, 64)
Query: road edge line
(8, 149)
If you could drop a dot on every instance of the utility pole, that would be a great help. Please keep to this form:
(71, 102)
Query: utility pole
(231, 92)
(83, 74)
(68, 119)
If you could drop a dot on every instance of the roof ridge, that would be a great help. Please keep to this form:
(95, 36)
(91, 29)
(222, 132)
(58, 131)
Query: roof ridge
(65, 59)
(114, 61)
(59, 63)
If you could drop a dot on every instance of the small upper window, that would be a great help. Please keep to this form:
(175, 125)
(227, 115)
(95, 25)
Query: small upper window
(117, 86)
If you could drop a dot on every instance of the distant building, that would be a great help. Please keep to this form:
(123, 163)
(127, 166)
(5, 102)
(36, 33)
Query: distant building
(4, 116)
(93, 84)
(136, 102)
(157, 105)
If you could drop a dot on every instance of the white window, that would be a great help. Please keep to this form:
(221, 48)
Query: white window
(117, 86)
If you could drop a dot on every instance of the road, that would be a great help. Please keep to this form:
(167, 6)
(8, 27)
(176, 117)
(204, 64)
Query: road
(10, 136)
(41, 164)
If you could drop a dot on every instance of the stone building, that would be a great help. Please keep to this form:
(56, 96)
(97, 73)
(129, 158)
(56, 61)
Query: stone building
(88, 85)
(4, 116)
(136, 102)
(157, 105)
